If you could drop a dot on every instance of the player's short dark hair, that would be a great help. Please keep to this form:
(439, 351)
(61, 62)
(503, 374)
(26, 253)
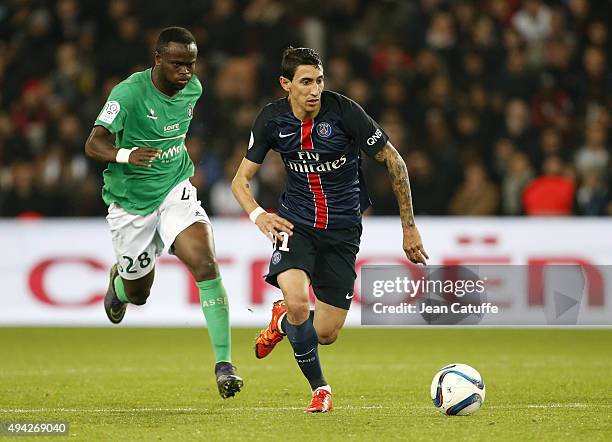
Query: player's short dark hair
(173, 34)
(294, 57)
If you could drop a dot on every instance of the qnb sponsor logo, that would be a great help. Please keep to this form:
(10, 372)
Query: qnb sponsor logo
(316, 166)
(374, 138)
(172, 152)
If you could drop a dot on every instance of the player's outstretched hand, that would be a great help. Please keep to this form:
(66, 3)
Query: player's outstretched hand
(272, 225)
(144, 156)
(413, 246)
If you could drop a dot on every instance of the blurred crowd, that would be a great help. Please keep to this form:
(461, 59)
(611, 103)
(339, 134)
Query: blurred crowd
(499, 107)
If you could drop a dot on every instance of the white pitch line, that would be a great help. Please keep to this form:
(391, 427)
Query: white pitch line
(92, 410)
(93, 370)
(274, 409)
(568, 405)
(148, 410)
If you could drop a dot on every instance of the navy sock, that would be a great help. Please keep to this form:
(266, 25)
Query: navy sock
(284, 322)
(305, 343)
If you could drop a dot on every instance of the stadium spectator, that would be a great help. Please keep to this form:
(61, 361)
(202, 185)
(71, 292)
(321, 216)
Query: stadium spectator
(516, 80)
(519, 174)
(222, 201)
(533, 21)
(477, 195)
(552, 193)
(595, 83)
(504, 149)
(594, 155)
(593, 195)
(517, 127)
(549, 103)
(449, 78)
(24, 198)
(428, 188)
(551, 144)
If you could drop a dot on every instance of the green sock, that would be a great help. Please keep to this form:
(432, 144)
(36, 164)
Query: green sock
(120, 290)
(213, 300)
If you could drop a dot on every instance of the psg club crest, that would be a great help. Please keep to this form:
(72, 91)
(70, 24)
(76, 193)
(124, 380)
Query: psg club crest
(324, 130)
(276, 257)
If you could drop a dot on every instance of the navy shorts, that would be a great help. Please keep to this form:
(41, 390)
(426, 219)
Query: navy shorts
(327, 256)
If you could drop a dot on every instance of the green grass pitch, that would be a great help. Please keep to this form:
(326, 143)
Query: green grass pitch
(157, 384)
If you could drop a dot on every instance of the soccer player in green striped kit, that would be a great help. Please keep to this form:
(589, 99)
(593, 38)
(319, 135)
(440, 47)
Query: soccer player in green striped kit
(153, 207)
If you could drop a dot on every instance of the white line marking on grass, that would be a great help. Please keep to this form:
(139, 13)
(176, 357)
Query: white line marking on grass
(341, 407)
(95, 410)
(92, 370)
(568, 405)
(274, 409)
(179, 409)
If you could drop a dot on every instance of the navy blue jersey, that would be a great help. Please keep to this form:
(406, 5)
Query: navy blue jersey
(325, 188)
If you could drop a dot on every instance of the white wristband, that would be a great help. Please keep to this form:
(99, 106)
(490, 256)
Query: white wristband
(123, 155)
(255, 213)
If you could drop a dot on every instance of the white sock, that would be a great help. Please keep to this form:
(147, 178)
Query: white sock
(325, 387)
(278, 324)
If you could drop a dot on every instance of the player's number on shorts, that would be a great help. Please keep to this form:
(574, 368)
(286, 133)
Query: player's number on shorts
(284, 247)
(143, 260)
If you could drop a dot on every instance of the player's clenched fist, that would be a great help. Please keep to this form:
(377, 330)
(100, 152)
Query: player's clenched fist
(271, 225)
(144, 156)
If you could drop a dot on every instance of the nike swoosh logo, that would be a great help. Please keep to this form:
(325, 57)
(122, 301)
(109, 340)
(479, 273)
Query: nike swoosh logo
(350, 297)
(310, 351)
(282, 135)
(151, 117)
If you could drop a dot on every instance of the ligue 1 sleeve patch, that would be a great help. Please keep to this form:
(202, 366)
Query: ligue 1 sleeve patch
(110, 111)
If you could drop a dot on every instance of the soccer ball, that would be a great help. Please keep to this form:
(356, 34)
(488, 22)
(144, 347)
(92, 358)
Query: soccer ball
(457, 389)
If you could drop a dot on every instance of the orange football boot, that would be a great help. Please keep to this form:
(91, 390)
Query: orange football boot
(272, 334)
(321, 401)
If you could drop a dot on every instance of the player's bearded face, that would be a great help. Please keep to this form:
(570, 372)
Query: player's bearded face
(306, 87)
(177, 63)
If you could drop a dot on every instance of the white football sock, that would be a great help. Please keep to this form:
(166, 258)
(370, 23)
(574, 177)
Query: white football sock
(325, 387)
(278, 324)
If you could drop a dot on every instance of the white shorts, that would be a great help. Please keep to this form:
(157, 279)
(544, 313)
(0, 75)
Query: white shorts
(138, 239)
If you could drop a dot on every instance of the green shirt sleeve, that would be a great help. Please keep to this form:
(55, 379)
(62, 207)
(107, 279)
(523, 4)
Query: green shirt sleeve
(115, 109)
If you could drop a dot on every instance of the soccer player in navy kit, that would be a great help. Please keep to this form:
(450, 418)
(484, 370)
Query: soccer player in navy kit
(320, 136)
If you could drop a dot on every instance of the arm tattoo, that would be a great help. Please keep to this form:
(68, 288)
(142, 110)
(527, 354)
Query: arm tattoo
(399, 182)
